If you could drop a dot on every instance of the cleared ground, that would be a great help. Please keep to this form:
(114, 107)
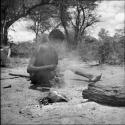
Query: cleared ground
(19, 104)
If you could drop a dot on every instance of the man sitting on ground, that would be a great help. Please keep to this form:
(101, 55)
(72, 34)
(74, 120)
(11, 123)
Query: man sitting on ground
(43, 63)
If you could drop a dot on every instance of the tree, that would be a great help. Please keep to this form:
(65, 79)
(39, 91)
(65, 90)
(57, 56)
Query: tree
(105, 46)
(12, 10)
(41, 19)
(64, 18)
(82, 17)
(103, 34)
(119, 44)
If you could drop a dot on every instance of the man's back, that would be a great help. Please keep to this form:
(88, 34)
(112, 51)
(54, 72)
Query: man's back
(44, 56)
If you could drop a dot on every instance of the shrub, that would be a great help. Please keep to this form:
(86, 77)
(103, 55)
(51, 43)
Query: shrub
(107, 52)
(23, 49)
(104, 52)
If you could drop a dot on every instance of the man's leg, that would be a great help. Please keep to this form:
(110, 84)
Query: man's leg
(92, 78)
(82, 73)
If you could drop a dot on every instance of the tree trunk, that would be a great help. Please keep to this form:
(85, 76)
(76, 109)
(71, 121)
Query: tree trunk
(4, 32)
(77, 38)
(66, 31)
(67, 34)
(4, 35)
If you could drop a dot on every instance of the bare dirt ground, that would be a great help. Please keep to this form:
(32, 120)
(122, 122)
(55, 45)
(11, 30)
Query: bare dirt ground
(19, 104)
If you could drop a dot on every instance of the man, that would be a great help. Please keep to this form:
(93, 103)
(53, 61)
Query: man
(43, 63)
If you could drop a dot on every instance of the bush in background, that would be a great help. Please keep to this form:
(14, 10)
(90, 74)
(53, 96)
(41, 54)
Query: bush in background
(110, 51)
(23, 49)
(107, 50)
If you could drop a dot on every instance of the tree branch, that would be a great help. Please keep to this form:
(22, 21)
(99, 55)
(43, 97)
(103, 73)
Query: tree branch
(10, 22)
(83, 20)
(73, 24)
(19, 75)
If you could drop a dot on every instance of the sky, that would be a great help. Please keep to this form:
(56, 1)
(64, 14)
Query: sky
(112, 17)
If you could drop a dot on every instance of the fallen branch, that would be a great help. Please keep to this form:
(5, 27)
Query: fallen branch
(9, 78)
(19, 75)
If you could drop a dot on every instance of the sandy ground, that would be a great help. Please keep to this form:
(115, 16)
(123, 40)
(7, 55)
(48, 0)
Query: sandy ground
(19, 104)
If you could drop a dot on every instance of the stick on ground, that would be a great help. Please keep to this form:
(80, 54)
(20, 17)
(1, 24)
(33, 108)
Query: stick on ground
(19, 75)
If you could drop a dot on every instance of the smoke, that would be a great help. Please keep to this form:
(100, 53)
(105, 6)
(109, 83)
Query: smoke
(68, 59)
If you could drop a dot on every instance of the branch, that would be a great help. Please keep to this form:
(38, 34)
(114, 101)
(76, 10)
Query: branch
(19, 75)
(91, 23)
(9, 78)
(77, 19)
(57, 25)
(27, 12)
(73, 24)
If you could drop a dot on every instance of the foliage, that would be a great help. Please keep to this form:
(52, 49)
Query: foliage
(24, 49)
(103, 34)
(79, 15)
(57, 35)
(105, 46)
(106, 49)
(89, 39)
(88, 50)
(13, 10)
(41, 19)
(82, 17)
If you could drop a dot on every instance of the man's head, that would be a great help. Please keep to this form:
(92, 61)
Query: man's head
(42, 39)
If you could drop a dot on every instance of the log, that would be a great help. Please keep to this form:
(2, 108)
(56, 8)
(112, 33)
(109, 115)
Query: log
(107, 95)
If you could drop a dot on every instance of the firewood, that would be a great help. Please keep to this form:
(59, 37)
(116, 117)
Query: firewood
(109, 95)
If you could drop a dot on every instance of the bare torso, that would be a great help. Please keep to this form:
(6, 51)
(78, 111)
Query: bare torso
(45, 55)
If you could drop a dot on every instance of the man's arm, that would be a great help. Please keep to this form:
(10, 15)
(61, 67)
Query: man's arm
(31, 68)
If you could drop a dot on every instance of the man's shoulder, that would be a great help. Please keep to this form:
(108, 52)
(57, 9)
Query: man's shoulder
(45, 47)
